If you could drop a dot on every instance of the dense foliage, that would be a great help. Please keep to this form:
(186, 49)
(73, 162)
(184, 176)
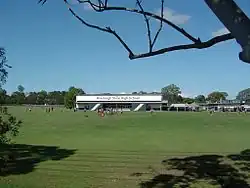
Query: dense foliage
(20, 97)
(244, 95)
(70, 97)
(9, 125)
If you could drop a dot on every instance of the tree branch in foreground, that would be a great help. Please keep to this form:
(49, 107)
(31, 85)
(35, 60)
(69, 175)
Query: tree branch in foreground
(200, 45)
(103, 6)
(98, 8)
(107, 29)
(161, 23)
(150, 46)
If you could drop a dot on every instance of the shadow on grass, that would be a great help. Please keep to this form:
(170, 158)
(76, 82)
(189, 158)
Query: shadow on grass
(22, 159)
(214, 170)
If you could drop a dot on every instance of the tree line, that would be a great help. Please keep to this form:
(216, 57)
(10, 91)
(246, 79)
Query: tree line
(171, 93)
(20, 97)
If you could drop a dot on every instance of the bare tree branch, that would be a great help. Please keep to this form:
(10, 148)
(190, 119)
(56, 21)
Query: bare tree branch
(44, 1)
(105, 3)
(161, 24)
(155, 16)
(103, 6)
(197, 43)
(107, 29)
(100, 3)
(94, 6)
(150, 46)
(200, 45)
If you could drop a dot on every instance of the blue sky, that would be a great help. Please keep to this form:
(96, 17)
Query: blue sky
(49, 49)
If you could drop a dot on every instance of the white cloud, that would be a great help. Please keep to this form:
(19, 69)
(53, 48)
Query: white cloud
(219, 32)
(175, 17)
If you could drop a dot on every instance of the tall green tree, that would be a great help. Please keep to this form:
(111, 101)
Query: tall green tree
(3, 66)
(42, 97)
(18, 97)
(142, 92)
(20, 89)
(225, 94)
(171, 93)
(70, 96)
(9, 125)
(244, 95)
(188, 100)
(216, 96)
(200, 99)
(56, 97)
(31, 98)
(3, 96)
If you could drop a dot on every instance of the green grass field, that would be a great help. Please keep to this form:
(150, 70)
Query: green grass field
(67, 149)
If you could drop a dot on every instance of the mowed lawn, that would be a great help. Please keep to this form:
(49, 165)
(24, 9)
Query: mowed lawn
(167, 149)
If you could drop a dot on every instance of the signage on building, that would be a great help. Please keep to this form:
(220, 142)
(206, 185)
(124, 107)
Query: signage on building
(120, 98)
(124, 98)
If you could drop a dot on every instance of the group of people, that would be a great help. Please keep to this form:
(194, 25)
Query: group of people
(101, 112)
(28, 109)
(236, 109)
(110, 111)
(47, 109)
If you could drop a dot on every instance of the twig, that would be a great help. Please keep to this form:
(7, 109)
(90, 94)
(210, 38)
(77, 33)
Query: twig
(94, 6)
(100, 3)
(42, 1)
(155, 16)
(200, 45)
(105, 3)
(147, 24)
(107, 29)
(161, 24)
(197, 43)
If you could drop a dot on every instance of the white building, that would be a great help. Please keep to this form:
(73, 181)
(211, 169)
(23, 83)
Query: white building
(124, 102)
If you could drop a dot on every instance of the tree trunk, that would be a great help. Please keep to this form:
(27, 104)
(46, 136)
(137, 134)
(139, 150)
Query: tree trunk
(236, 21)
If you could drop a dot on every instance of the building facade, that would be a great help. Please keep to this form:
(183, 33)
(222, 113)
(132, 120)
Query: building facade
(120, 102)
(227, 105)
